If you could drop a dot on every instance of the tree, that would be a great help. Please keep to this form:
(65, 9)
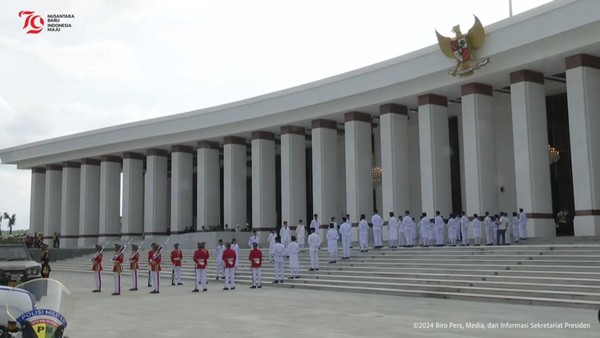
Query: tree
(11, 221)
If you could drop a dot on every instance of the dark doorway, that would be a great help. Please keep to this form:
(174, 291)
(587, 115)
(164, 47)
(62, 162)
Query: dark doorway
(455, 165)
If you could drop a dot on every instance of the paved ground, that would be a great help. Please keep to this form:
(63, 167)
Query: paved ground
(279, 312)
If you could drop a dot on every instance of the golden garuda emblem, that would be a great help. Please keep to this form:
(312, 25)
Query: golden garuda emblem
(462, 48)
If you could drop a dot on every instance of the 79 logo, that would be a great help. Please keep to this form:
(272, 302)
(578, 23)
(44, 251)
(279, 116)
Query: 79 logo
(33, 23)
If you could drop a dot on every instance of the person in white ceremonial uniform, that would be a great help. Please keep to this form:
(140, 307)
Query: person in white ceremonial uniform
(272, 240)
(392, 231)
(332, 239)
(522, 224)
(377, 222)
(424, 230)
(301, 234)
(292, 251)
(464, 229)
(314, 242)
(401, 235)
(235, 247)
(363, 234)
(476, 230)
(346, 234)
(409, 229)
(439, 229)
(219, 257)
(314, 224)
(253, 239)
(489, 229)
(452, 230)
(279, 253)
(515, 223)
(285, 233)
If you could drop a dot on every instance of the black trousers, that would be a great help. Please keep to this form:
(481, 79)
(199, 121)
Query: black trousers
(503, 234)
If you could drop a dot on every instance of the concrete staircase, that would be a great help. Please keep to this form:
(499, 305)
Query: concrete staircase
(566, 275)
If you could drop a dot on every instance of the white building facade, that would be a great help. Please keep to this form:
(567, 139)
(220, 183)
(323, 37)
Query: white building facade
(398, 135)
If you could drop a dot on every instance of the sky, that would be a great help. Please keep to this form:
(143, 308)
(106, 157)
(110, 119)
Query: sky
(125, 61)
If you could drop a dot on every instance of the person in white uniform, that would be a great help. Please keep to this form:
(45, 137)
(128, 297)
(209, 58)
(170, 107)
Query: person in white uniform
(285, 233)
(476, 230)
(489, 229)
(301, 234)
(401, 235)
(522, 224)
(219, 257)
(409, 228)
(464, 229)
(452, 230)
(392, 231)
(235, 247)
(332, 238)
(314, 242)
(279, 252)
(253, 239)
(515, 223)
(424, 230)
(272, 240)
(314, 224)
(346, 234)
(439, 229)
(292, 250)
(363, 234)
(377, 222)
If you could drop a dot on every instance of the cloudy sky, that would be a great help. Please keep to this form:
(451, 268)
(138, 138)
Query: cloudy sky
(125, 61)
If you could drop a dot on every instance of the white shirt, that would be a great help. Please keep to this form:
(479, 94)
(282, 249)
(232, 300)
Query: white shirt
(363, 227)
(219, 252)
(393, 223)
(253, 239)
(314, 224)
(314, 241)
(278, 252)
(377, 221)
(346, 230)
(285, 233)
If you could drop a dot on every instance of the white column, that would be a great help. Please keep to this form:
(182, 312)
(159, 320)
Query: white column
(235, 180)
(182, 184)
(69, 227)
(110, 199)
(324, 170)
(359, 161)
(155, 193)
(434, 145)
(264, 215)
(479, 149)
(132, 223)
(293, 175)
(36, 206)
(52, 201)
(209, 187)
(393, 123)
(532, 165)
(583, 94)
(89, 202)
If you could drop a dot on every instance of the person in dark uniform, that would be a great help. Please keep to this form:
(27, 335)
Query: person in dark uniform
(45, 260)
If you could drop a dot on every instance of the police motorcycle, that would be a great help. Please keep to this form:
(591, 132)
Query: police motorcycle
(35, 309)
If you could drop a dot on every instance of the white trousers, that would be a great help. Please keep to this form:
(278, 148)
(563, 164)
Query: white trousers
(515, 231)
(377, 237)
(177, 270)
(200, 278)
(523, 230)
(155, 280)
(134, 278)
(364, 241)
(489, 234)
(256, 276)
(464, 231)
(279, 274)
(229, 278)
(98, 280)
(220, 268)
(117, 282)
(346, 246)
(314, 258)
(410, 236)
(439, 236)
(401, 238)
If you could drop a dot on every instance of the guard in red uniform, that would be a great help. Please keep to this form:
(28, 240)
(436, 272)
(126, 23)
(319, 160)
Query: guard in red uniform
(97, 268)
(176, 258)
(134, 266)
(117, 268)
(255, 258)
(229, 259)
(154, 259)
(201, 259)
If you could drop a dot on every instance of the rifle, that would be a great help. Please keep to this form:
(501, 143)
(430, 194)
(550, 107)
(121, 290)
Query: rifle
(136, 251)
(99, 252)
(121, 250)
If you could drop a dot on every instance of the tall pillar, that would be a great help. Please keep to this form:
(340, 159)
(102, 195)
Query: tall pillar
(69, 227)
(434, 145)
(89, 202)
(36, 206)
(359, 161)
(52, 200)
(532, 165)
(479, 149)
(264, 215)
(324, 170)
(155, 193)
(110, 198)
(209, 188)
(182, 188)
(235, 176)
(583, 89)
(393, 123)
(293, 175)
(132, 223)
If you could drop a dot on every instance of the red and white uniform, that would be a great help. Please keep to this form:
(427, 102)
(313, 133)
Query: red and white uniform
(176, 258)
(134, 266)
(97, 268)
(229, 258)
(201, 257)
(255, 258)
(154, 269)
(117, 268)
